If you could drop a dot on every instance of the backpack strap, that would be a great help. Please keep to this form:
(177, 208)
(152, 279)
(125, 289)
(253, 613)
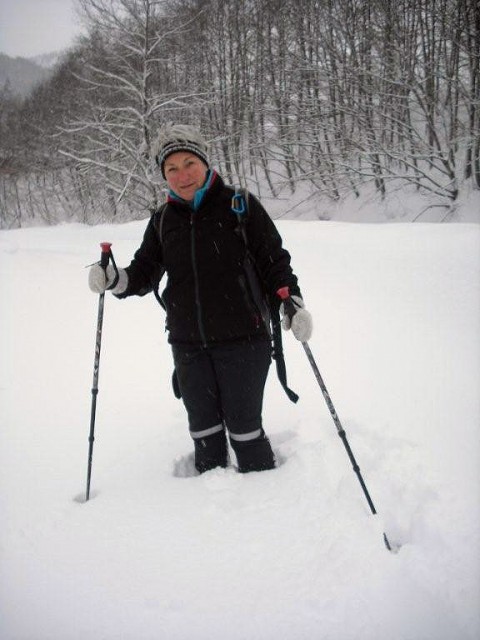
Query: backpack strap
(270, 312)
(157, 276)
(241, 209)
(160, 270)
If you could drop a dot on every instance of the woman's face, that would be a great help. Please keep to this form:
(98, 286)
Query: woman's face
(185, 173)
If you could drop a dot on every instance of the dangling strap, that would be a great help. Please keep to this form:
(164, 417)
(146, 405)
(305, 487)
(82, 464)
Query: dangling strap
(277, 355)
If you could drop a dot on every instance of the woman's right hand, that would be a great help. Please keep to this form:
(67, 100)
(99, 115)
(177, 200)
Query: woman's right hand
(101, 280)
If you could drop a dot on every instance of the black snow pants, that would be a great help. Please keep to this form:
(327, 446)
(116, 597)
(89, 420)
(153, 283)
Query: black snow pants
(222, 388)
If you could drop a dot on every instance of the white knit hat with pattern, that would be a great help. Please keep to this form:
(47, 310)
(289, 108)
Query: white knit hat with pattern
(179, 137)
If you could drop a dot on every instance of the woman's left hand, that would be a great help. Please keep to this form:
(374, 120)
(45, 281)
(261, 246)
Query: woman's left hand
(301, 322)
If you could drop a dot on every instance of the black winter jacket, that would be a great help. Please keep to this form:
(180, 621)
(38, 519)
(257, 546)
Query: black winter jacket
(207, 297)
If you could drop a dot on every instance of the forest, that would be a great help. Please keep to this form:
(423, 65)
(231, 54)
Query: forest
(330, 96)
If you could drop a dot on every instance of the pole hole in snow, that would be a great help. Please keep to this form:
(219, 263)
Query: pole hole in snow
(81, 498)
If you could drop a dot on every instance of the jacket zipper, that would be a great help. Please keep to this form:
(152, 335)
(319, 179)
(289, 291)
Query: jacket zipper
(196, 281)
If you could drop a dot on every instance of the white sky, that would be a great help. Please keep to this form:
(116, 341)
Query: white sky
(32, 27)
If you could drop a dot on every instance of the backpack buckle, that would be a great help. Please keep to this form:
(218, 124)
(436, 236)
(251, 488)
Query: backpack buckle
(238, 204)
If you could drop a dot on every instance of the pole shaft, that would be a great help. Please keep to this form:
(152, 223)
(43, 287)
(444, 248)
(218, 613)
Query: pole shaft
(105, 256)
(323, 388)
(290, 310)
(338, 424)
(342, 434)
(96, 370)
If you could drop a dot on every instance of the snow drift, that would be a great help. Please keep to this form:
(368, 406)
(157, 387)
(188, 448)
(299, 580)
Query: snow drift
(289, 554)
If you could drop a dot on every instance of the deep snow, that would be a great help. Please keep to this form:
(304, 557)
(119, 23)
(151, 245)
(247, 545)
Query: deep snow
(289, 554)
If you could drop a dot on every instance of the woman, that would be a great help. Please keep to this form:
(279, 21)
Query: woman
(221, 347)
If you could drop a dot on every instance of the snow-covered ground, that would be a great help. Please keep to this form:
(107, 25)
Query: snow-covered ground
(290, 554)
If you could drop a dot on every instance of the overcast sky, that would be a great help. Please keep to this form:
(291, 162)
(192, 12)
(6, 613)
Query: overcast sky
(32, 27)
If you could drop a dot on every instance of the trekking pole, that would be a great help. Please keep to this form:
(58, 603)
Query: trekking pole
(105, 257)
(290, 310)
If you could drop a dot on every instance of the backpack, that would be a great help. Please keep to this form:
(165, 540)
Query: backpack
(268, 310)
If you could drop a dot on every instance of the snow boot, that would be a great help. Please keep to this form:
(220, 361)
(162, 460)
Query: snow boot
(254, 455)
(211, 452)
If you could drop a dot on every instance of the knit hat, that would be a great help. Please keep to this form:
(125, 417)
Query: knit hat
(179, 137)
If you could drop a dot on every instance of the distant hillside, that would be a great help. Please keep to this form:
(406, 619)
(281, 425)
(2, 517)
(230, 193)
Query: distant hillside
(20, 74)
(48, 60)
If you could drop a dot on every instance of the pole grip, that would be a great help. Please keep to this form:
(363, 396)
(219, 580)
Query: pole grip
(106, 253)
(288, 305)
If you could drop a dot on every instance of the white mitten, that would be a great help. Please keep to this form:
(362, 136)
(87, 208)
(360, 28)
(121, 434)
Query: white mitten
(99, 280)
(301, 323)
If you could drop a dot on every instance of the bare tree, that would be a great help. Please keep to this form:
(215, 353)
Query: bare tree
(128, 89)
(338, 94)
